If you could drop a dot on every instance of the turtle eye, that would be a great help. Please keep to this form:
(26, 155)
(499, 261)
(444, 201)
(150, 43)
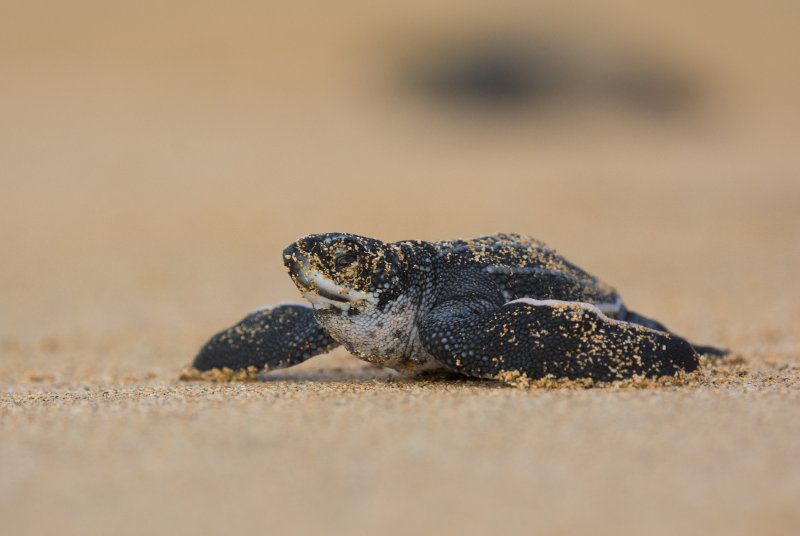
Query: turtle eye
(345, 260)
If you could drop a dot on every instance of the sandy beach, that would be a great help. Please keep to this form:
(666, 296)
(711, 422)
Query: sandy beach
(156, 158)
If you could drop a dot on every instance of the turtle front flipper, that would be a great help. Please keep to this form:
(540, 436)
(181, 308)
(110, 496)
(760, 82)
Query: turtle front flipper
(537, 338)
(268, 338)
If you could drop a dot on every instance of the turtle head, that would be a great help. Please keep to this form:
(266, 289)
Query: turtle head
(345, 273)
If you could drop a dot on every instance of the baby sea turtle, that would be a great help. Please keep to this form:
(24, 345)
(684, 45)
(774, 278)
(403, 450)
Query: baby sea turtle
(502, 306)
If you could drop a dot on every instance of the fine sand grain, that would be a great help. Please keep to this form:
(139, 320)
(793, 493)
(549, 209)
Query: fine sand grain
(340, 447)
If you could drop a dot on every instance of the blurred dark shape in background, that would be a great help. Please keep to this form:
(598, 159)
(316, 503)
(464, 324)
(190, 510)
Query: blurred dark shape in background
(493, 74)
(503, 74)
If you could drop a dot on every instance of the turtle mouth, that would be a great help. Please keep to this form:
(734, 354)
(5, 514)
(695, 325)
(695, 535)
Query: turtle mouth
(324, 293)
(331, 296)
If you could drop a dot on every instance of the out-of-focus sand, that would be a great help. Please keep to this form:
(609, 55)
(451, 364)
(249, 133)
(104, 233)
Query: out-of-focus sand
(154, 160)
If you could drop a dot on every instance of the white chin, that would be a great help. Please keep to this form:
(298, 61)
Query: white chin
(321, 302)
(349, 297)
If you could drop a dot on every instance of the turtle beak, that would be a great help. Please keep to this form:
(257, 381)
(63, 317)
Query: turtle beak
(298, 265)
(310, 282)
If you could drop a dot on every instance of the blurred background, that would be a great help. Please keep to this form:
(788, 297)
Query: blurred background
(156, 156)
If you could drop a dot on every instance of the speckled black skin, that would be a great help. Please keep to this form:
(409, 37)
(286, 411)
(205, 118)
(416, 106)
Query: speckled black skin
(450, 306)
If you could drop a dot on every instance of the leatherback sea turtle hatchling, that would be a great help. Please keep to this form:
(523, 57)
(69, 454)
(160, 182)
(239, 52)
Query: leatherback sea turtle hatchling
(504, 306)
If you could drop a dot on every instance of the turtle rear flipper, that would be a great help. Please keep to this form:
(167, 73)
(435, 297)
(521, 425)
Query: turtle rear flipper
(702, 349)
(549, 337)
(712, 351)
(269, 338)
